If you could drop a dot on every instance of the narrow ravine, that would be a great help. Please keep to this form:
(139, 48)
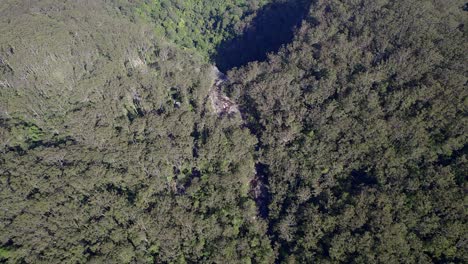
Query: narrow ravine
(273, 27)
(224, 106)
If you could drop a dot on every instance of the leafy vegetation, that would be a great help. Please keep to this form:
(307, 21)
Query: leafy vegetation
(350, 144)
(362, 125)
(200, 25)
(4, 254)
(119, 160)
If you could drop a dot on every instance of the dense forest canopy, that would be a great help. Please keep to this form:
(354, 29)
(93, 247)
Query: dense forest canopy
(119, 142)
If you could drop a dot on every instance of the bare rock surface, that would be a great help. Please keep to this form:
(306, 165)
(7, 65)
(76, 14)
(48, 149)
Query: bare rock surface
(221, 103)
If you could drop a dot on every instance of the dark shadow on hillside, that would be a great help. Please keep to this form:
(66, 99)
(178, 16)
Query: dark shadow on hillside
(272, 27)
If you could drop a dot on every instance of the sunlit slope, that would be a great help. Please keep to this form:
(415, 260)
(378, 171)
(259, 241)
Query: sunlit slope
(110, 153)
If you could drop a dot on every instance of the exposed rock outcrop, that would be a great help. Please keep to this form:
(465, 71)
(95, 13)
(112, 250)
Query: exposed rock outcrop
(221, 103)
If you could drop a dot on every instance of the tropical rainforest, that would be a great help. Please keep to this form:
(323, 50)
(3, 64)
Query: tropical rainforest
(335, 131)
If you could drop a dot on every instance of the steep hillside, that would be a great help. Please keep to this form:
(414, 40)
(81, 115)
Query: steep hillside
(334, 133)
(111, 153)
(361, 124)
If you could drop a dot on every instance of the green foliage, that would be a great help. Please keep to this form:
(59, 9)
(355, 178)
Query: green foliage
(35, 134)
(109, 166)
(200, 25)
(360, 122)
(4, 253)
(350, 146)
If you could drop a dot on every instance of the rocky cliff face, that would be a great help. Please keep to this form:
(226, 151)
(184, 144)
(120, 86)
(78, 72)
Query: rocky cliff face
(221, 103)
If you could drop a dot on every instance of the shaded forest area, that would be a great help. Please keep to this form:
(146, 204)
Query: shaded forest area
(350, 146)
(366, 157)
(272, 27)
